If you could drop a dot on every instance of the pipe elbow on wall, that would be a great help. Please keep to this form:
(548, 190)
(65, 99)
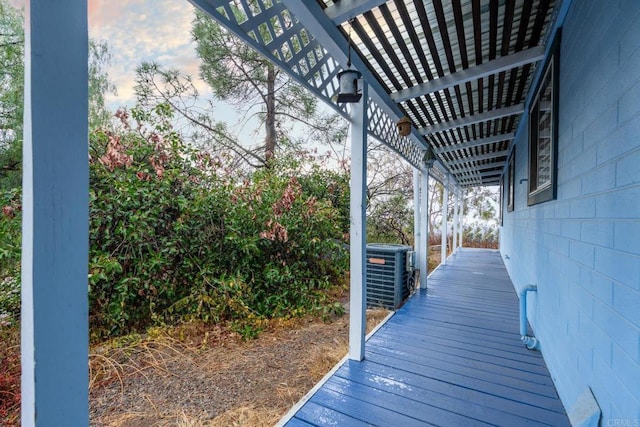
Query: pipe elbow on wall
(532, 343)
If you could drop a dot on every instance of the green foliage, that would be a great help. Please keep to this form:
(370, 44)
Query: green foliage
(174, 234)
(389, 193)
(156, 85)
(391, 221)
(319, 181)
(99, 84)
(234, 70)
(248, 81)
(10, 250)
(11, 94)
(171, 240)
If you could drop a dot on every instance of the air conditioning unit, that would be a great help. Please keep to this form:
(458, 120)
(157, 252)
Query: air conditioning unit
(390, 270)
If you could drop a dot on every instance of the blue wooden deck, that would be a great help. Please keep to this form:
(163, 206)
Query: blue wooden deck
(450, 356)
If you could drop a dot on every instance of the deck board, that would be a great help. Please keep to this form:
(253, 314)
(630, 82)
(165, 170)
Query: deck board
(450, 356)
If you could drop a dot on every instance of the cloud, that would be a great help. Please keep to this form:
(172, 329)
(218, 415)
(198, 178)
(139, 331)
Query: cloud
(149, 30)
(144, 31)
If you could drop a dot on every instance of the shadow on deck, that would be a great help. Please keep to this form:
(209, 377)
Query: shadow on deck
(450, 356)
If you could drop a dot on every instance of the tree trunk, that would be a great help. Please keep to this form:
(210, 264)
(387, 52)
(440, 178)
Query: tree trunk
(270, 121)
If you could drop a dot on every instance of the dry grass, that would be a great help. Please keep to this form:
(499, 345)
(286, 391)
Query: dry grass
(9, 375)
(248, 416)
(203, 377)
(141, 357)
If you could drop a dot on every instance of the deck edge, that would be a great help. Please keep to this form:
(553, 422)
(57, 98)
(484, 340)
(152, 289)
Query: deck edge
(295, 408)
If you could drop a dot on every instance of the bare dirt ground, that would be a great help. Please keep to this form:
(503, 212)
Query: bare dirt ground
(207, 376)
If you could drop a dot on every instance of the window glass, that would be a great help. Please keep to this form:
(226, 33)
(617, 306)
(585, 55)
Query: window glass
(543, 133)
(511, 176)
(545, 128)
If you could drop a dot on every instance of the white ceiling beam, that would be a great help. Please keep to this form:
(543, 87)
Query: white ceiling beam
(475, 143)
(468, 178)
(469, 120)
(456, 168)
(476, 174)
(496, 66)
(478, 184)
(470, 182)
(478, 158)
(465, 171)
(490, 173)
(346, 10)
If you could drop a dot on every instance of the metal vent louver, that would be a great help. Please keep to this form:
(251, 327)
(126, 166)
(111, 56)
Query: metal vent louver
(387, 278)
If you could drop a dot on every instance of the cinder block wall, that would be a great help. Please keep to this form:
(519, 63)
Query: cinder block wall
(583, 249)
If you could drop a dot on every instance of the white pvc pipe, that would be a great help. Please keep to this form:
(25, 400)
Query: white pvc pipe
(530, 342)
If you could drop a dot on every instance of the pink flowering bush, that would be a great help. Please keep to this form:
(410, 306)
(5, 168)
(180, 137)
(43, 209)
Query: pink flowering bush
(175, 235)
(173, 238)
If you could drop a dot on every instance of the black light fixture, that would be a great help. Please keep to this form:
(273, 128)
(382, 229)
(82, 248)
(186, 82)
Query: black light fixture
(404, 126)
(429, 158)
(348, 81)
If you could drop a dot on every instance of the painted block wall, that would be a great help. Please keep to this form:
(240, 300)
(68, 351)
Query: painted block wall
(583, 249)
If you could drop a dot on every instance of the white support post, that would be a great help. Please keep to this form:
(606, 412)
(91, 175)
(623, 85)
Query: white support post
(461, 206)
(416, 210)
(455, 220)
(424, 235)
(443, 228)
(358, 232)
(55, 230)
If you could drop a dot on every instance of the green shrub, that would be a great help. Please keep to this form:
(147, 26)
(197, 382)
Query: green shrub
(172, 241)
(10, 250)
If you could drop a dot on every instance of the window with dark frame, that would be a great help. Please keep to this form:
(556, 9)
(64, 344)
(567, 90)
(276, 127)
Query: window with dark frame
(511, 177)
(543, 134)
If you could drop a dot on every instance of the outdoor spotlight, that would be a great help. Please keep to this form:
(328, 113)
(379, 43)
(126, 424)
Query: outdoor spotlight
(429, 157)
(404, 126)
(348, 80)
